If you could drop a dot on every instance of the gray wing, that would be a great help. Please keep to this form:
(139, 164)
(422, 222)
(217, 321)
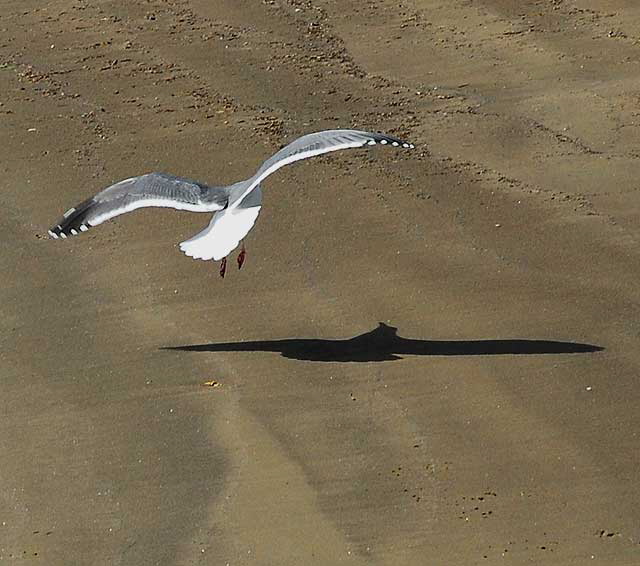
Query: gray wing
(319, 143)
(152, 189)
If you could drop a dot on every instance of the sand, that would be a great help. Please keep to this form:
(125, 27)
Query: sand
(430, 357)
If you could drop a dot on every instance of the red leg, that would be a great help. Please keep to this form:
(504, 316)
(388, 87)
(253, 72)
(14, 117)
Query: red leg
(223, 267)
(241, 256)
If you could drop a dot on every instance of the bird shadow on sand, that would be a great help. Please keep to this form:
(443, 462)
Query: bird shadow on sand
(383, 344)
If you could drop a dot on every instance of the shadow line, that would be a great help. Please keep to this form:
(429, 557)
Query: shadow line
(384, 344)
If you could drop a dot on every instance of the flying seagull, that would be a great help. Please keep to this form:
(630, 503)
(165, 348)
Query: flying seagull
(235, 207)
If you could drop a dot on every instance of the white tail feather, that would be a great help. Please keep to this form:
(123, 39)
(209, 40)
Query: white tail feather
(225, 231)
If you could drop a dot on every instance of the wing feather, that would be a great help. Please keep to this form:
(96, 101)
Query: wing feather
(153, 189)
(319, 143)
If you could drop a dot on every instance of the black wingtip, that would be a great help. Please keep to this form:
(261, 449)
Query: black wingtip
(73, 221)
(384, 139)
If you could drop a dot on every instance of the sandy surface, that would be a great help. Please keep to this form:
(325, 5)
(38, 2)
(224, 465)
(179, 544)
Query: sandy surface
(402, 362)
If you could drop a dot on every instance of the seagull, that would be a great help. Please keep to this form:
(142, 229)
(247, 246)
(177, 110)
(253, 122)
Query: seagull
(235, 206)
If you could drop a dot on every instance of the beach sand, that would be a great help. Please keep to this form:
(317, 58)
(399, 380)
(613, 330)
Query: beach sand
(430, 356)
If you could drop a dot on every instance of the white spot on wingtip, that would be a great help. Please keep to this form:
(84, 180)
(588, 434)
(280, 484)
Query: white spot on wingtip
(371, 142)
(394, 144)
(74, 231)
(383, 142)
(83, 228)
(63, 235)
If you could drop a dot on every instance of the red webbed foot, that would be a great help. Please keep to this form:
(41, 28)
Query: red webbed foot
(241, 257)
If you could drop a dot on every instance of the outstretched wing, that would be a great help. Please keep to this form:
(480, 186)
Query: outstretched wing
(153, 189)
(317, 144)
(225, 231)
